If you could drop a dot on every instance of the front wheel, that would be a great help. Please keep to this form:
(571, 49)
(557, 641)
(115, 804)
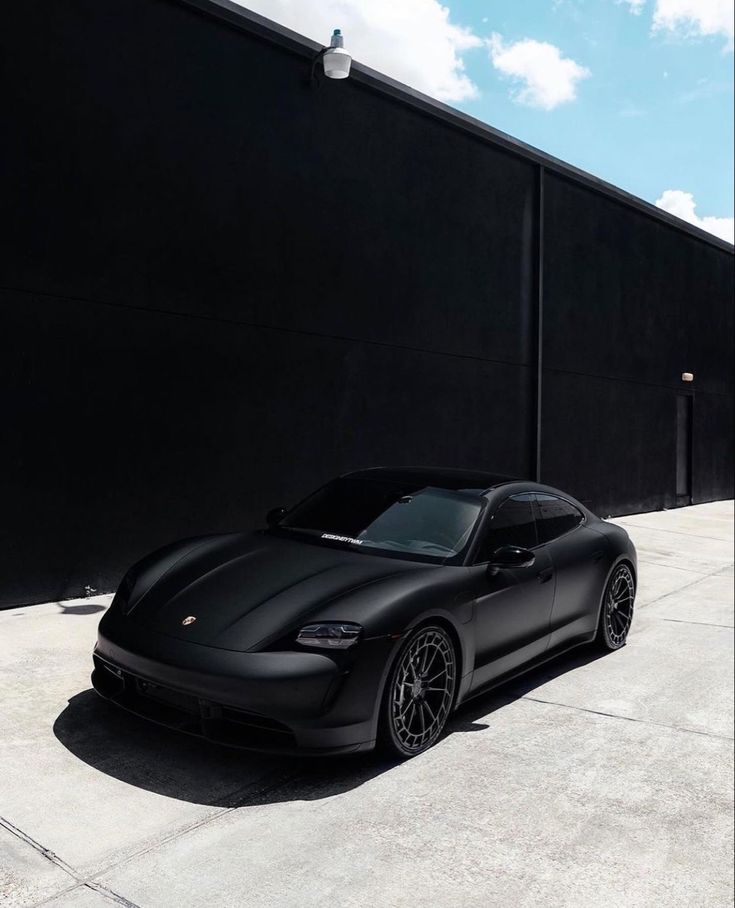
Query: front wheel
(616, 614)
(420, 693)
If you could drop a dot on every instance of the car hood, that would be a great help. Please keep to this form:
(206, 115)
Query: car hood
(245, 591)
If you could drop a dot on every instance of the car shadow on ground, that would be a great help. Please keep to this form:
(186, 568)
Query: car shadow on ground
(186, 768)
(87, 608)
(468, 716)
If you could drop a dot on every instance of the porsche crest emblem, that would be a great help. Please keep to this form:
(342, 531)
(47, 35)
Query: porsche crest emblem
(190, 620)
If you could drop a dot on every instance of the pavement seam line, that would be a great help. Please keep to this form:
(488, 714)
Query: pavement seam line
(671, 567)
(599, 712)
(54, 859)
(686, 586)
(110, 894)
(641, 526)
(277, 781)
(50, 856)
(728, 627)
(58, 895)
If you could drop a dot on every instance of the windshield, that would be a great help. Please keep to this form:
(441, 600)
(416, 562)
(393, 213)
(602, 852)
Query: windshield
(421, 522)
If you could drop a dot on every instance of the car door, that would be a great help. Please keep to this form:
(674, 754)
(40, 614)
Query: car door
(512, 609)
(578, 556)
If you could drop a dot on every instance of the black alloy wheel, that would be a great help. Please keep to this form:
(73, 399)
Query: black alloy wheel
(420, 692)
(617, 609)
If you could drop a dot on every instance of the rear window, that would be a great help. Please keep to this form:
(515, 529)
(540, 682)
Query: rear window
(556, 517)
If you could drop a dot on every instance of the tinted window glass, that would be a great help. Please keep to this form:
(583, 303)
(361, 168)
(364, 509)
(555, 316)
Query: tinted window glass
(431, 523)
(512, 524)
(556, 517)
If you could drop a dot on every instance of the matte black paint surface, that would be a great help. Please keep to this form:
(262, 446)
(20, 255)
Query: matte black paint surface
(209, 305)
(250, 594)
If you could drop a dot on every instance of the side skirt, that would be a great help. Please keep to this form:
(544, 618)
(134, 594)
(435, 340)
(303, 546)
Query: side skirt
(523, 670)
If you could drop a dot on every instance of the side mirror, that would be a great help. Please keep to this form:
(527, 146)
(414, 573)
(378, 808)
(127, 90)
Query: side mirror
(510, 556)
(275, 515)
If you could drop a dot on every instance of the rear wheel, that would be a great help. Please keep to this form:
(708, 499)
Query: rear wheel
(420, 692)
(617, 609)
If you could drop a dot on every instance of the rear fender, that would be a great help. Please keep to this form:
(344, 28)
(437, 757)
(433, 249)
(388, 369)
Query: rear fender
(625, 557)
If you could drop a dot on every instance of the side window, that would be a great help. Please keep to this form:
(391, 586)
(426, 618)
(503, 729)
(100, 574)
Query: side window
(512, 524)
(556, 517)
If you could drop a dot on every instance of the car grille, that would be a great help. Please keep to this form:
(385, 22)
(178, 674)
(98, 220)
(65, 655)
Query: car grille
(185, 712)
(168, 697)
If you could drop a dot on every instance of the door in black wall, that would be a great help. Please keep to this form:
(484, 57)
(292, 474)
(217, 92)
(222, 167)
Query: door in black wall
(684, 404)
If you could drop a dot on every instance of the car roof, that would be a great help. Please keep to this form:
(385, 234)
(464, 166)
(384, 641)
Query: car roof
(439, 477)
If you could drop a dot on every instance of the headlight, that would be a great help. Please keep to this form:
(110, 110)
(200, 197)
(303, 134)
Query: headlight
(331, 635)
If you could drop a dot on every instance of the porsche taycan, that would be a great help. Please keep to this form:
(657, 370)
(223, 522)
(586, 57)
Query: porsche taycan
(365, 614)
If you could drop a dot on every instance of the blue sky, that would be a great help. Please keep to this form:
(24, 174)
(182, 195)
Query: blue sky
(638, 92)
(655, 112)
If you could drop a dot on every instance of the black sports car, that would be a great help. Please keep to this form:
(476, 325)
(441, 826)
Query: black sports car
(366, 614)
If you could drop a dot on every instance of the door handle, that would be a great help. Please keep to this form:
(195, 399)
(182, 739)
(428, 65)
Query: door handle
(545, 575)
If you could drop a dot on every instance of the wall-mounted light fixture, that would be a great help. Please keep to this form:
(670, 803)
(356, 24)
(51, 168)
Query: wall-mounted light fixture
(335, 59)
(687, 376)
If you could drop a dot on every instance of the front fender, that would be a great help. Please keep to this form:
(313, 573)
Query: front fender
(458, 631)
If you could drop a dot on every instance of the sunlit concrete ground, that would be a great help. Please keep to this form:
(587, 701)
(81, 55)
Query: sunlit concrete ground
(594, 781)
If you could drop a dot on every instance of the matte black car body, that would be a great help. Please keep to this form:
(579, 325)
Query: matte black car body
(236, 675)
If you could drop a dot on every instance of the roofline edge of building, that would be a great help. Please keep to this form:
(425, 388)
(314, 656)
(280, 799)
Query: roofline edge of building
(238, 16)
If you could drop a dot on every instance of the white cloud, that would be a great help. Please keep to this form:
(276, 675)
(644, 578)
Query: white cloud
(682, 204)
(696, 18)
(412, 41)
(634, 6)
(547, 78)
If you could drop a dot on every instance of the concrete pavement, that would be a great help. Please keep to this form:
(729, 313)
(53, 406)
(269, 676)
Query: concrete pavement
(593, 781)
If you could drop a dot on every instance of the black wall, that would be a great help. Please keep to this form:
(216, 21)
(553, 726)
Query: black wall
(629, 304)
(221, 286)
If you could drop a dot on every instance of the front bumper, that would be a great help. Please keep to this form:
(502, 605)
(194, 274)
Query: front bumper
(285, 702)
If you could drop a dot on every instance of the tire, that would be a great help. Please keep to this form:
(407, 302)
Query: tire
(616, 614)
(420, 693)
